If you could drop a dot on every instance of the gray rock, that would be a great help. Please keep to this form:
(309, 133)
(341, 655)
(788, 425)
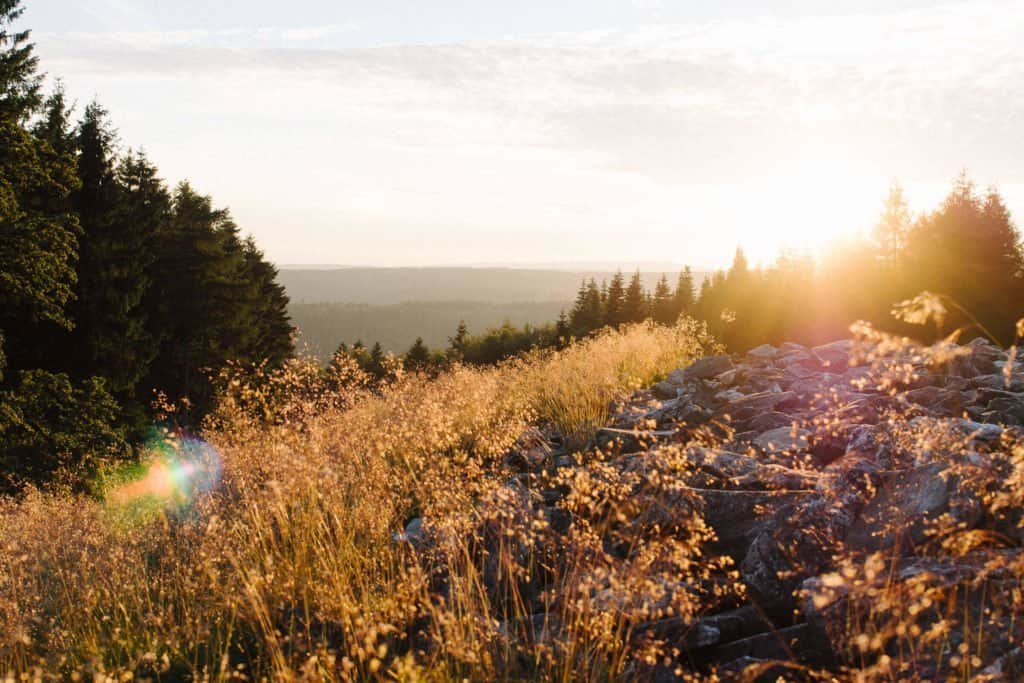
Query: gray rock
(762, 353)
(783, 439)
(754, 404)
(905, 506)
(666, 390)
(834, 356)
(703, 368)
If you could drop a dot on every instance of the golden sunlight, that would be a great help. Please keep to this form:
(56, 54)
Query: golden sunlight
(823, 193)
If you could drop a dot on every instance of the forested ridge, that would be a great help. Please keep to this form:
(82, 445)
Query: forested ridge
(114, 288)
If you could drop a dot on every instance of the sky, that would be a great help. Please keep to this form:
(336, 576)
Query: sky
(398, 133)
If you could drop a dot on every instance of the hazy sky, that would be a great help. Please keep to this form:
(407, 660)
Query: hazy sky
(387, 132)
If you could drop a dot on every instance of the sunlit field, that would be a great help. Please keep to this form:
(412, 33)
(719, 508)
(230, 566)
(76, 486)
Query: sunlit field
(324, 533)
(273, 547)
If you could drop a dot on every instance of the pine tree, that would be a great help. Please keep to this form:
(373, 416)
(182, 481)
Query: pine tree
(683, 298)
(46, 422)
(273, 340)
(577, 316)
(457, 343)
(563, 329)
(614, 310)
(116, 254)
(634, 304)
(375, 366)
(662, 308)
(38, 231)
(199, 299)
(417, 358)
(890, 233)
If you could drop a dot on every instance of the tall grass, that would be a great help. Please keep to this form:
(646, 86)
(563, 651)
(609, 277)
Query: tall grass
(291, 569)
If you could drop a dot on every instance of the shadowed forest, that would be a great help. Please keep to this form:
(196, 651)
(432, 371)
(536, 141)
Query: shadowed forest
(811, 470)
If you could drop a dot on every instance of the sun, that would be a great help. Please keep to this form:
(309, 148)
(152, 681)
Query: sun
(811, 199)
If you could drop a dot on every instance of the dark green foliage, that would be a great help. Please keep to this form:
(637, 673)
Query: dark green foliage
(683, 298)
(662, 303)
(122, 211)
(417, 358)
(50, 427)
(19, 83)
(457, 342)
(587, 312)
(634, 303)
(506, 341)
(109, 291)
(213, 300)
(562, 329)
(615, 301)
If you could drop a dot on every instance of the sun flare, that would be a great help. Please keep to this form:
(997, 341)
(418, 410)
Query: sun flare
(820, 195)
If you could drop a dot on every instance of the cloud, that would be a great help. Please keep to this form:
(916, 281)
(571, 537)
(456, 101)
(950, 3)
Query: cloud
(563, 125)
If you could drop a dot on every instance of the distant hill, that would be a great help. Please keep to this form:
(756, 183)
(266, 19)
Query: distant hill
(382, 286)
(322, 326)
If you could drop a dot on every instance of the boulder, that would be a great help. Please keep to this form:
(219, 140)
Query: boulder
(834, 356)
(783, 439)
(907, 504)
(755, 404)
(762, 353)
(703, 368)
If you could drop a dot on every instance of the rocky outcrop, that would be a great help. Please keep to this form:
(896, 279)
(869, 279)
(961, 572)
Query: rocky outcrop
(824, 459)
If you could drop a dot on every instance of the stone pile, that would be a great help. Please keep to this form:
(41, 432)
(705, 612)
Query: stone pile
(804, 458)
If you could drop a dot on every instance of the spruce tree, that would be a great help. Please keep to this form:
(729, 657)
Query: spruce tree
(38, 231)
(614, 310)
(457, 343)
(577, 315)
(200, 299)
(273, 338)
(634, 304)
(662, 303)
(46, 422)
(417, 358)
(116, 254)
(563, 329)
(683, 299)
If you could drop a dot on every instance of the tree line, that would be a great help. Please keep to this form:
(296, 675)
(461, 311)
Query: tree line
(611, 303)
(115, 290)
(966, 254)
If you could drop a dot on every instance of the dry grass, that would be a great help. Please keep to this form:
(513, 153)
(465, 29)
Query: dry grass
(295, 566)
(290, 568)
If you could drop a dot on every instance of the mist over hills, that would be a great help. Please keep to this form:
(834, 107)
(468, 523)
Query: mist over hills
(322, 326)
(382, 286)
(331, 304)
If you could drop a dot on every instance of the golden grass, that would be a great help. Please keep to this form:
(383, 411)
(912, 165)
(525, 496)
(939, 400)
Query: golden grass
(289, 569)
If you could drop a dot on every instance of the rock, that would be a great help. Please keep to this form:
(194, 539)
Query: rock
(978, 432)
(736, 516)
(770, 420)
(412, 534)
(907, 503)
(783, 439)
(666, 390)
(762, 354)
(706, 631)
(834, 356)
(530, 452)
(729, 396)
(630, 440)
(755, 404)
(703, 368)
(778, 646)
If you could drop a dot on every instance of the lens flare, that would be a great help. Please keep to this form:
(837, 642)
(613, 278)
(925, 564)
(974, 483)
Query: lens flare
(177, 470)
